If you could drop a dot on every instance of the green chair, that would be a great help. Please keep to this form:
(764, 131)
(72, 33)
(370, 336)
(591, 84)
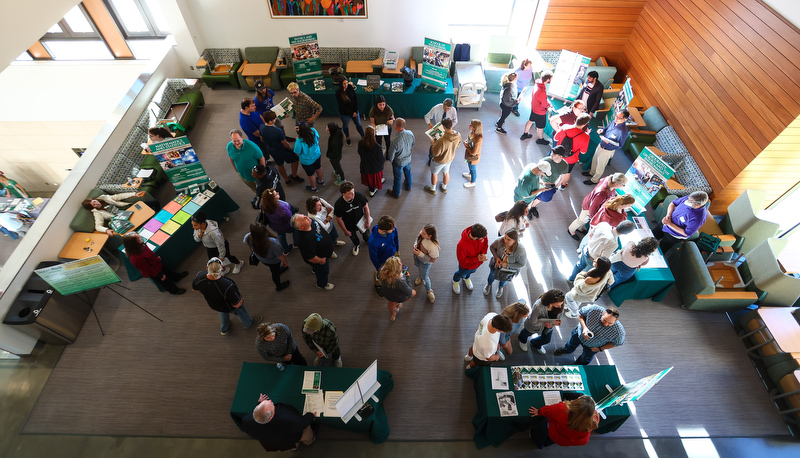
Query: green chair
(781, 290)
(260, 55)
(222, 56)
(742, 220)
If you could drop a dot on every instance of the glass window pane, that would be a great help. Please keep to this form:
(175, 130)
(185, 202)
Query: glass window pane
(155, 11)
(77, 21)
(477, 12)
(55, 29)
(130, 16)
(25, 56)
(77, 49)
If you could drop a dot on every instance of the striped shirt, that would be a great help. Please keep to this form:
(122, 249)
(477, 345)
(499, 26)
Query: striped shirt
(400, 148)
(614, 334)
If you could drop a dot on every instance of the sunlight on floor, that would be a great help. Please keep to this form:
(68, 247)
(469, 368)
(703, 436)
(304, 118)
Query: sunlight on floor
(697, 443)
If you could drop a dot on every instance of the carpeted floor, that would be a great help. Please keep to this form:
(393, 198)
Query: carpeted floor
(176, 378)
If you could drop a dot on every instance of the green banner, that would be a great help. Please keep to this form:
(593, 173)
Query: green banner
(306, 57)
(180, 162)
(623, 99)
(646, 177)
(435, 63)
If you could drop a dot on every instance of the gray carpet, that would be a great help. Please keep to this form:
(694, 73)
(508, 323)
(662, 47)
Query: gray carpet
(176, 378)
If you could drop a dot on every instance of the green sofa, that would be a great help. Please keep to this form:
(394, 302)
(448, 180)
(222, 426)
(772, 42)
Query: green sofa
(261, 55)
(330, 57)
(83, 221)
(219, 56)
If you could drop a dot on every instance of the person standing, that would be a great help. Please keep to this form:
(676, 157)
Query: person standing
(614, 211)
(250, 121)
(149, 264)
(307, 149)
(485, 346)
(530, 183)
(594, 201)
(276, 214)
(508, 258)
(10, 188)
(524, 77)
(514, 219)
(278, 147)
(591, 94)
(347, 101)
(539, 107)
(278, 427)
(634, 255)
(588, 286)
(306, 110)
(508, 100)
(602, 240)
(568, 423)
(443, 151)
(426, 252)
(320, 210)
(372, 159)
(400, 149)
(559, 123)
(384, 242)
(684, 217)
(599, 330)
(208, 233)
(244, 155)
(381, 113)
(471, 252)
(268, 251)
(275, 343)
(263, 99)
(546, 313)
(349, 210)
(612, 137)
(558, 168)
(267, 177)
(321, 337)
(517, 313)
(334, 151)
(441, 111)
(472, 152)
(315, 247)
(578, 136)
(395, 285)
(222, 296)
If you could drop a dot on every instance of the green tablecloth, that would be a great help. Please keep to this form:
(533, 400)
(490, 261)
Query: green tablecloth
(181, 243)
(594, 139)
(492, 429)
(257, 378)
(414, 102)
(645, 284)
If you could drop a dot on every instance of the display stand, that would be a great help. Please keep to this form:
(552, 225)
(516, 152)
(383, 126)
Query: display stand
(353, 402)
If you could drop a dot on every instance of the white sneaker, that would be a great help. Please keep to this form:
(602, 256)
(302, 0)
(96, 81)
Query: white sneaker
(226, 271)
(444, 188)
(469, 185)
(340, 243)
(317, 360)
(355, 251)
(337, 363)
(327, 287)
(523, 345)
(418, 281)
(467, 175)
(568, 313)
(468, 283)
(238, 267)
(541, 350)
(334, 255)
(431, 296)
(499, 292)
(457, 287)
(502, 356)
(487, 289)
(467, 358)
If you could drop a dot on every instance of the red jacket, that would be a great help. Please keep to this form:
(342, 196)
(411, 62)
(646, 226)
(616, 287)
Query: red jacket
(580, 142)
(611, 217)
(539, 103)
(468, 250)
(558, 426)
(147, 262)
(599, 195)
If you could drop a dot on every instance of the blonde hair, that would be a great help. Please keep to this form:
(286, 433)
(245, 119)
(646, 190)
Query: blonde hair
(516, 311)
(507, 78)
(581, 416)
(477, 128)
(292, 86)
(615, 202)
(390, 272)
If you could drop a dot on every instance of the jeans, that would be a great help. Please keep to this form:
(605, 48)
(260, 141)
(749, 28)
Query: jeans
(321, 271)
(504, 112)
(473, 171)
(621, 273)
(540, 341)
(506, 336)
(424, 268)
(490, 280)
(346, 124)
(584, 263)
(241, 313)
(334, 233)
(397, 171)
(573, 343)
(462, 273)
(285, 243)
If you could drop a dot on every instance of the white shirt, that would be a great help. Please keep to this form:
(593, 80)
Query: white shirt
(603, 241)
(437, 113)
(485, 343)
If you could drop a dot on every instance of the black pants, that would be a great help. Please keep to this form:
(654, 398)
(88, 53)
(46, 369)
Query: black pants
(297, 358)
(275, 269)
(168, 283)
(214, 253)
(504, 112)
(337, 168)
(387, 137)
(666, 241)
(539, 434)
(354, 235)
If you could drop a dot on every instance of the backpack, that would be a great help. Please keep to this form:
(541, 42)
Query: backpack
(566, 142)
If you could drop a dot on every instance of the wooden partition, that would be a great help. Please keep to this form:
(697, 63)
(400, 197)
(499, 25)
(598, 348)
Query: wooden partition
(724, 74)
(593, 28)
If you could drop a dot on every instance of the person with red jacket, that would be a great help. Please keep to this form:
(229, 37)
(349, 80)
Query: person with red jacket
(593, 201)
(578, 134)
(471, 251)
(149, 264)
(568, 423)
(614, 211)
(539, 107)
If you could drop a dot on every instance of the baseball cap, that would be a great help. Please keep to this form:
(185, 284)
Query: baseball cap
(312, 324)
(544, 167)
(260, 85)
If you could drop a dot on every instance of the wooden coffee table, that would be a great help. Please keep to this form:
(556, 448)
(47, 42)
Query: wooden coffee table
(359, 66)
(78, 247)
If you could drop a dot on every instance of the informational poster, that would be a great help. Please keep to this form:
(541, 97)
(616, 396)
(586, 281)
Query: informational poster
(306, 57)
(630, 392)
(646, 177)
(623, 99)
(571, 70)
(77, 276)
(435, 63)
(180, 162)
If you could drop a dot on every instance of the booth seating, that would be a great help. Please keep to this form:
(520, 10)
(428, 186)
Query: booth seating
(605, 72)
(330, 57)
(696, 286)
(83, 221)
(260, 55)
(786, 397)
(222, 66)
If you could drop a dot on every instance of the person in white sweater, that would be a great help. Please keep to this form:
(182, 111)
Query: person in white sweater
(104, 208)
(588, 285)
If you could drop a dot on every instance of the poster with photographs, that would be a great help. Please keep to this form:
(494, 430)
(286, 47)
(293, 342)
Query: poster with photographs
(320, 9)
(306, 57)
(435, 63)
(180, 162)
(623, 100)
(507, 403)
(562, 378)
(568, 77)
(646, 176)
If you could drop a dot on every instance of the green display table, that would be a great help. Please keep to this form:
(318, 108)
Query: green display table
(645, 284)
(257, 378)
(181, 243)
(492, 429)
(594, 139)
(414, 102)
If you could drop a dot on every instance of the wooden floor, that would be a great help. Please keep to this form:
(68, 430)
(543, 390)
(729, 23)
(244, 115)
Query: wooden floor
(176, 377)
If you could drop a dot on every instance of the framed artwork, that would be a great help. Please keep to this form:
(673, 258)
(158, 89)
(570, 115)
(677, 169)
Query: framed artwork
(297, 9)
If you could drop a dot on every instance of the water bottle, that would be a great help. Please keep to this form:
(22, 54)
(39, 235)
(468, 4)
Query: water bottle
(280, 366)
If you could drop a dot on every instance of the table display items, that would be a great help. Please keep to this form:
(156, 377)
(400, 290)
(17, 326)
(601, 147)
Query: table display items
(563, 378)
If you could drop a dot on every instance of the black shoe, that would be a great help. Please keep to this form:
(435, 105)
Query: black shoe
(560, 351)
(179, 291)
(379, 290)
(348, 142)
(499, 130)
(589, 182)
(574, 236)
(533, 211)
(586, 174)
(580, 231)
(542, 141)
(282, 286)
(525, 136)
(515, 112)
(297, 178)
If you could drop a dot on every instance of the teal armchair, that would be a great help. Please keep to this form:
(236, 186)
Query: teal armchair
(220, 56)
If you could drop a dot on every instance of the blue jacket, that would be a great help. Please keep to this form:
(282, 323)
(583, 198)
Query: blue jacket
(382, 246)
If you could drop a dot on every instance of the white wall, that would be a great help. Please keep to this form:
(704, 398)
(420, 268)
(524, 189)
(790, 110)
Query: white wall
(789, 9)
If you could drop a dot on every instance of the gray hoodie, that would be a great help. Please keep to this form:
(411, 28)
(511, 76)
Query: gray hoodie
(212, 238)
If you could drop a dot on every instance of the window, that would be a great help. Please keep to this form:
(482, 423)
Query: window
(476, 22)
(139, 18)
(76, 24)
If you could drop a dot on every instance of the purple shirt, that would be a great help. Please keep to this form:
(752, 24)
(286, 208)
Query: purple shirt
(685, 217)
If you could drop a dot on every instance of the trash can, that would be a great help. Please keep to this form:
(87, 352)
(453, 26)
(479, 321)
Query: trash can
(55, 318)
